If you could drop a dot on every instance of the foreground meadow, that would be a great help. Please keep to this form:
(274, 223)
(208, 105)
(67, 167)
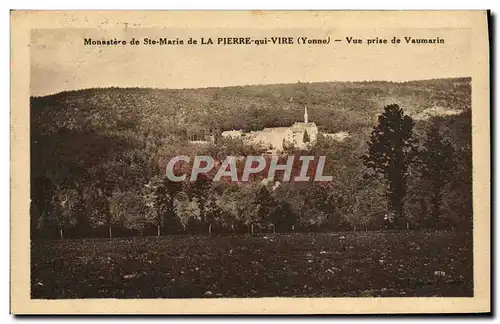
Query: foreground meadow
(350, 264)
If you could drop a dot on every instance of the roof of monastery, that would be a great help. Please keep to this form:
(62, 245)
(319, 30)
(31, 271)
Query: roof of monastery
(300, 127)
(276, 129)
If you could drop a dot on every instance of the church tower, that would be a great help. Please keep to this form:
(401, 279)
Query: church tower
(305, 115)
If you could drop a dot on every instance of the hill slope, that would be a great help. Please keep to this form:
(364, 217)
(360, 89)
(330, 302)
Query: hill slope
(97, 144)
(334, 105)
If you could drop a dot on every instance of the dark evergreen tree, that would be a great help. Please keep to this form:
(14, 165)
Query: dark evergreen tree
(437, 163)
(42, 191)
(391, 149)
(266, 203)
(165, 195)
(201, 190)
(306, 138)
(212, 214)
(282, 217)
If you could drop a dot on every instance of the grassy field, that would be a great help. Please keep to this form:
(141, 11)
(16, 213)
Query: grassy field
(357, 264)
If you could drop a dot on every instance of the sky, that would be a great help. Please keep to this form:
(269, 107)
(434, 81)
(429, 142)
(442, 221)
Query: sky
(60, 61)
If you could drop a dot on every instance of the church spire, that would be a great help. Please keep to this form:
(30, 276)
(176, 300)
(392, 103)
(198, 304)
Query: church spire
(305, 114)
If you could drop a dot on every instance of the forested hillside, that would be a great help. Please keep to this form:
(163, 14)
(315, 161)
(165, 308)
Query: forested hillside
(98, 157)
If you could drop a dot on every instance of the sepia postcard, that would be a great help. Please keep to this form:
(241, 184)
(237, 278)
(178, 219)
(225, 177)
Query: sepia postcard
(250, 162)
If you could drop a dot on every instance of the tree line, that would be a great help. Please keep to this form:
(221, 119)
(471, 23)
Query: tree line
(403, 175)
